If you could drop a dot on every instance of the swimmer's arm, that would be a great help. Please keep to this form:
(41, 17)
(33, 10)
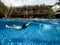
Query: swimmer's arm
(28, 23)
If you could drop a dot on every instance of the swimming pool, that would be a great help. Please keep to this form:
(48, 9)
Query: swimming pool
(39, 32)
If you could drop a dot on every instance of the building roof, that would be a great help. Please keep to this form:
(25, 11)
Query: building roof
(56, 13)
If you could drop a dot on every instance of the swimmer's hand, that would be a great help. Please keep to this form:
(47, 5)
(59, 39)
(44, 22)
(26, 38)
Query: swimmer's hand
(28, 24)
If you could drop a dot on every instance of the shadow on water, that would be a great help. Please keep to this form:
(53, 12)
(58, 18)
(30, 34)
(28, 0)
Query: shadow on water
(0, 44)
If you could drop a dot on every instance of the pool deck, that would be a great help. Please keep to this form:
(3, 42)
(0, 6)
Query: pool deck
(29, 19)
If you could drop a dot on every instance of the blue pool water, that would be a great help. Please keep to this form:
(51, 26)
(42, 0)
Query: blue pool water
(39, 32)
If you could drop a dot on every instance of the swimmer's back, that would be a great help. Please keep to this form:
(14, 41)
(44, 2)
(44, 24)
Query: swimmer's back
(24, 26)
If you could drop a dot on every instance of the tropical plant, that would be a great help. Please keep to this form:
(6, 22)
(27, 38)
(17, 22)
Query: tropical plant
(3, 9)
(51, 16)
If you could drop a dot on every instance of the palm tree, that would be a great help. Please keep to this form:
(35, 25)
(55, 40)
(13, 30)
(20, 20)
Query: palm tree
(9, 12)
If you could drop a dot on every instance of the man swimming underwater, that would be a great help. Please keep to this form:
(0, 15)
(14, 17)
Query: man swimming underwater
(19, 27)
